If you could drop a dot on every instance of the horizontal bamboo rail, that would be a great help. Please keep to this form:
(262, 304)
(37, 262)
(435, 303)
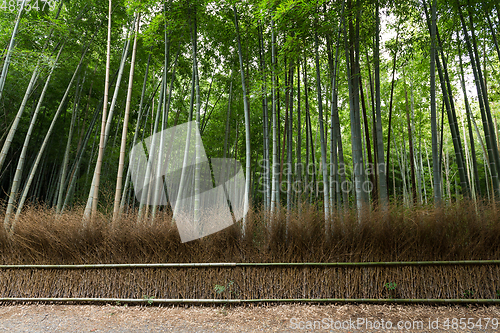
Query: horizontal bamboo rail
(240, 301)
(249, 264)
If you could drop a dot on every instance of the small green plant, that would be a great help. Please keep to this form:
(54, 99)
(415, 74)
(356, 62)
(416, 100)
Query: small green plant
(148, 298)
(498, 293)
(468, 293)
(391, 285)
(219, 289)
(391, 288)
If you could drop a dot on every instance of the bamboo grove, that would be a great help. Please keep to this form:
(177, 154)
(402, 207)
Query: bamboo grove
(341, 105)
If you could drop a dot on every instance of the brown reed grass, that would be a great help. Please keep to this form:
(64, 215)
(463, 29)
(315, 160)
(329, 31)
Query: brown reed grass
(454, 232)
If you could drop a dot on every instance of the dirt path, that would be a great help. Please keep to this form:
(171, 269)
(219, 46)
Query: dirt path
(276, 318)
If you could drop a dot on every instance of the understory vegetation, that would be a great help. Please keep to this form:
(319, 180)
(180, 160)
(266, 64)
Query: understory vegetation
(456, 232)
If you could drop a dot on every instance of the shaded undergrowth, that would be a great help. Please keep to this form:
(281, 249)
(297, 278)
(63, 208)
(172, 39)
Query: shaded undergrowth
(453, 233)
(456, 232)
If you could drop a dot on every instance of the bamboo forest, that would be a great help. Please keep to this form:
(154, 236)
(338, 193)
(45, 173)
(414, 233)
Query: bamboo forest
(359, 130)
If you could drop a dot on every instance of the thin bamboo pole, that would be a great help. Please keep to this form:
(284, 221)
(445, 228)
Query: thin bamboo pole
(121, 163)
(91, 209)
(257, 264)
(247, 125)
(255, 300)
(5, 68)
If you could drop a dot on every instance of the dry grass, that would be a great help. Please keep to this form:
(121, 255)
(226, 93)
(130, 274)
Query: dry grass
(453, 233)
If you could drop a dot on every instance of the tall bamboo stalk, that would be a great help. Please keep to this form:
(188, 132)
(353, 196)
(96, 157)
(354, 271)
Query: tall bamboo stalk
(97, 171)
(62, 181)
(136, 132)
(121, 162)
(265, 124)
(326, 199)
(107, 129)
(275, 161)
(389, 131)
(20, 164)
(435, 158)
(5, 69)
(289, 151)
(488, 136)
(381, 167)
(247, 123)
(475, 174)
(27, 93)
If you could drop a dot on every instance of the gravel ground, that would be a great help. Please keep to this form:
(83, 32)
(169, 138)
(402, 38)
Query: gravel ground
(275, 318)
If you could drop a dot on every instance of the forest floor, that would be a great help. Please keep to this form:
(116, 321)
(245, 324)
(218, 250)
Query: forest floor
(275, 318)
